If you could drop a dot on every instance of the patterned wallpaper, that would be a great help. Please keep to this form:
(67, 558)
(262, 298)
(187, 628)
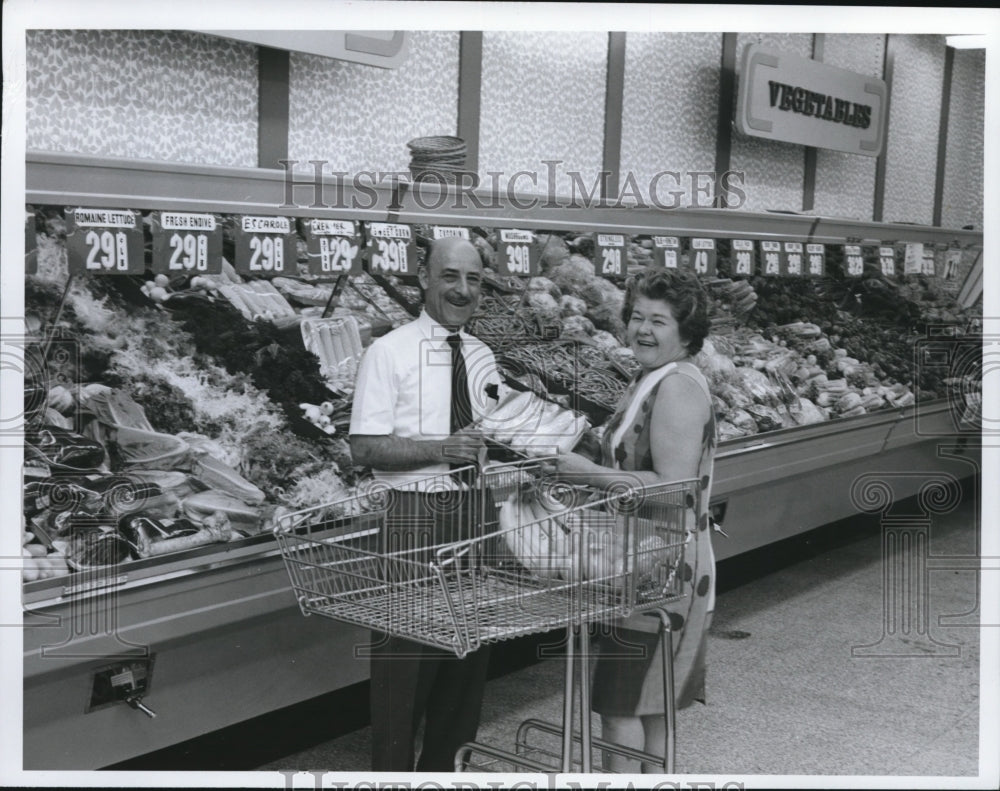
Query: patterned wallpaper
(165, 95)
(542, 98)
(914, 118)
(358, 117)
(962, 201)
(774, 170)
(670, 111)
(845, 183)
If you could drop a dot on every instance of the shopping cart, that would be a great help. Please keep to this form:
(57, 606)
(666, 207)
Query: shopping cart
(475, 556)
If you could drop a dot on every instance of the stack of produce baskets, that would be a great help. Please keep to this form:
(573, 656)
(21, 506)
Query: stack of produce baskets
(437, 159)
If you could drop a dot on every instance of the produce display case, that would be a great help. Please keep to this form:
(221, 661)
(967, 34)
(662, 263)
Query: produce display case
(211, 636)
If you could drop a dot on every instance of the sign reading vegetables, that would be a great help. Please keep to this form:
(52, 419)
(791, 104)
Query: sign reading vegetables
(518, 254)
(391, 249)
(702, 256)
(104, 241)
(265, 246)
(610, 258)
(333, 246)
(667, 251)
(186, 243)
(815, 260)
(743, 257)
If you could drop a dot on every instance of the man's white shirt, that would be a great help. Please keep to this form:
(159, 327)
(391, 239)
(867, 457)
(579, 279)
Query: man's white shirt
(404, 388)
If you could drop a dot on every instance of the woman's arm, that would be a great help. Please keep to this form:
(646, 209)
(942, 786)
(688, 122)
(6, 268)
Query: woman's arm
(678, 420)
(678, 423)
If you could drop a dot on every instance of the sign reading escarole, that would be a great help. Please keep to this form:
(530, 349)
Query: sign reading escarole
(799, 100)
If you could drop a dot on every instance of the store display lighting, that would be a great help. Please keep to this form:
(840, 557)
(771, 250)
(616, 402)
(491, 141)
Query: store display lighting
(966, 42)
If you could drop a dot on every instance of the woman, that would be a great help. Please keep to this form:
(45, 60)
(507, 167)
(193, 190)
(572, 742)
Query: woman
(664, 430)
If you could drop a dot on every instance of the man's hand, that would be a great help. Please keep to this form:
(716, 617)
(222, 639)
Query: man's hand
(463, 447)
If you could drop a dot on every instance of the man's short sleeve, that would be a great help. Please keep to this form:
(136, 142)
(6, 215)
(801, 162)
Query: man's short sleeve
(375, 391)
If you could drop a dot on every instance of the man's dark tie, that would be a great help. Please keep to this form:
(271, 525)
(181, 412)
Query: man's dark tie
(461, 404)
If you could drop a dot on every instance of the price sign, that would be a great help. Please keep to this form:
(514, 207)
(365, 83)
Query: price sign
(333, 247)
(930, 262)
(610, 259)
(887, 261)
(913, 259)
(854, 261)
(952, 265)
(815, 260)
(265, 246)
(186, 244)
(104, 241)
(702, 256)
(391, 249)
(518, 254)
(447, 231)
(30, 244)
(791, 259)
(744, 262)
(667, 251)
(771, 252)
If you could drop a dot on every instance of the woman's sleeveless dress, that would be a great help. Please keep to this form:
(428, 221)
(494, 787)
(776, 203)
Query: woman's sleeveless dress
(623, 685)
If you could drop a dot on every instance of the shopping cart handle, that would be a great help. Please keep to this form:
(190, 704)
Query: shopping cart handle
(451, 554)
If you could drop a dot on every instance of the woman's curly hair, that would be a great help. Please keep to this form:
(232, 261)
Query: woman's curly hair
(683, 292)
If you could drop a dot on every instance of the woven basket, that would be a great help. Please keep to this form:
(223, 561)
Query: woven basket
(437, 145)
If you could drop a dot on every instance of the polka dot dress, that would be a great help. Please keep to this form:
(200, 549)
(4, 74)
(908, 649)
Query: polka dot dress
(628, 680)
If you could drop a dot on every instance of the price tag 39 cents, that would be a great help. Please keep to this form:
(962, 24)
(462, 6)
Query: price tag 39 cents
(791, 259)
(265, 246)
(518, 254)
(610, 259)
(186, 244)
(391, 249)
(815, 260)
(333, 247)
(104, 241)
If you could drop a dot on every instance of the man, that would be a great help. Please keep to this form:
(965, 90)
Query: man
(418, 389)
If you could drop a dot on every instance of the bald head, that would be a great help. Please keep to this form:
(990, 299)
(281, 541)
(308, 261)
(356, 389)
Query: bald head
(452, 279)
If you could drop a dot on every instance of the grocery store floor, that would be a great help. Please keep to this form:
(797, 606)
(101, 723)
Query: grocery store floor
(791, 691)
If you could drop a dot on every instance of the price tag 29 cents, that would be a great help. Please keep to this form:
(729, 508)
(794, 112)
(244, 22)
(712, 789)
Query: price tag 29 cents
(610, 259)
(854, 261)
(391, 249)
(815, 260)
(702, 256)
(518, 255)
(743, 257)
(265, 246)
(186, 244)
(771, 255)
(333, 247)
(104, 241)
(667, 251)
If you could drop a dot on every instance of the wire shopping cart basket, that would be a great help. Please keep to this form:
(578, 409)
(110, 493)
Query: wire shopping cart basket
(475, 556)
